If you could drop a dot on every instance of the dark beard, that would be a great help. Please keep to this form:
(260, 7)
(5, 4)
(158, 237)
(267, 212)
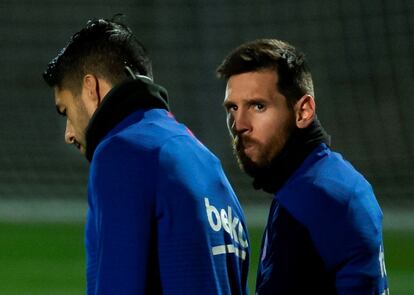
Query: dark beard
(256, 170)
(271, 175)
(245, 163)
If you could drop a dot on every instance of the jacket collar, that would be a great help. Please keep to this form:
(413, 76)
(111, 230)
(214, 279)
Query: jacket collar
(121, 101)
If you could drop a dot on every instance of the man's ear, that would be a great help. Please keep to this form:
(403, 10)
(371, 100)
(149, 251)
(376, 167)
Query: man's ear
(90, 86)
(90, 95)
(305, 111)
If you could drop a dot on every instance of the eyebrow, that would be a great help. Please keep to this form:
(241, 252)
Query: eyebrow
(227, 104)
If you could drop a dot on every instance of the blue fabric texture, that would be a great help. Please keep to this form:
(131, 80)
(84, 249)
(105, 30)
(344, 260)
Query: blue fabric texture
(324, 233)
(162, 218)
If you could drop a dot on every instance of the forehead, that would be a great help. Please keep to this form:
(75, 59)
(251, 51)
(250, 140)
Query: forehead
(258, 84)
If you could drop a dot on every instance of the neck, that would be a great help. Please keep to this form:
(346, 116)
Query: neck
(301, 143)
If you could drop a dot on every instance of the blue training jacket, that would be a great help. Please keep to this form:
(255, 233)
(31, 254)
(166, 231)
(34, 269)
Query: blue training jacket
(324, 233)
(162, 218)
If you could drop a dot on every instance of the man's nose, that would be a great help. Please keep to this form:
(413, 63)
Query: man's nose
(238, 123)
(69, 134)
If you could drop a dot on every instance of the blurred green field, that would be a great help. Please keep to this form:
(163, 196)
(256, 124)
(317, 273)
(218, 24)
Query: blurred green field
(41, 259)
(45, 258)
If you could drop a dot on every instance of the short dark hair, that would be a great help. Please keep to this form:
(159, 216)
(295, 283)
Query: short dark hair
(103, 47)
(295, 79)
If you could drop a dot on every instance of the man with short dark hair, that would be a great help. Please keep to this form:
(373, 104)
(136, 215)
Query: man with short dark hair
(162, 217)
(324, 230)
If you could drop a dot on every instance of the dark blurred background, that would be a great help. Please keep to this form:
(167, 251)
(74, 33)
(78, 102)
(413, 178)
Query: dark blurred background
(360, 52)
(362, 56)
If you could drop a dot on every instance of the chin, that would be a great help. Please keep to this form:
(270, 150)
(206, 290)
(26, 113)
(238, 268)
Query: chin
(250, 167)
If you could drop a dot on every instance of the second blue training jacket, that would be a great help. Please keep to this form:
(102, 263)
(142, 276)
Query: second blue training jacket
(324, 233)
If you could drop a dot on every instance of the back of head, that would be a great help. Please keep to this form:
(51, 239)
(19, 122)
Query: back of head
(295, 78)
(102, 48)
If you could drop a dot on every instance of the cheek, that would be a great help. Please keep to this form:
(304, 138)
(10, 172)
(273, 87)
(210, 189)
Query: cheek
(275, 135)
(79, 120)
(230, 123)
(83, 122)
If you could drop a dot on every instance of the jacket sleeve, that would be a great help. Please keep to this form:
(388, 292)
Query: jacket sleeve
(363, 271)
(122, 200)
(347, 233)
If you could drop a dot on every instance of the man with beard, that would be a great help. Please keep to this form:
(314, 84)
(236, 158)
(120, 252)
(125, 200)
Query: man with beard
(162, 217)
(324, 230)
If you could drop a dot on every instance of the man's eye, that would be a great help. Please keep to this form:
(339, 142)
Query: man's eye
(259, 106)
(231, 108)
(61, 111)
